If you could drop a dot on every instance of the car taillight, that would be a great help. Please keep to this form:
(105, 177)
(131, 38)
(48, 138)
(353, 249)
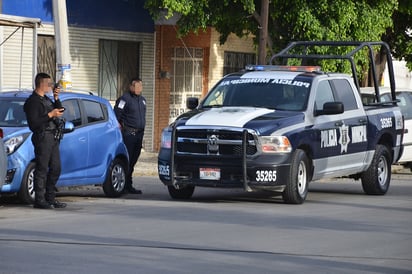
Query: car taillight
(1, 133)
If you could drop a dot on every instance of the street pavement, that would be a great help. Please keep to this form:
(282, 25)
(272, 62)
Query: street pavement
(338, 229)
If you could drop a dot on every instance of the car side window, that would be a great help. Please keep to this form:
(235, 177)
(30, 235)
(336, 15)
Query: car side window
(94, 111)
(72, 112)
(324, 94)
(344, 92)
(404, 104)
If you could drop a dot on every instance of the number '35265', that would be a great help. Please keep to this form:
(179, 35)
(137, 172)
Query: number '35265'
(386, 122)
(266, 175)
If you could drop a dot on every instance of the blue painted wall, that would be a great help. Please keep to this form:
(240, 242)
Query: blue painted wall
(29, 8)
(126, 15)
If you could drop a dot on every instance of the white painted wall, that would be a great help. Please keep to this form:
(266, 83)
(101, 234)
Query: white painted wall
(403, 77)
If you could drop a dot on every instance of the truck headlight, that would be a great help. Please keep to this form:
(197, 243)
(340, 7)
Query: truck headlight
(166, 141)
(274, 144)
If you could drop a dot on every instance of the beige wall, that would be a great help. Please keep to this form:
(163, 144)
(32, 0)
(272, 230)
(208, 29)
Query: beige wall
(233, 43)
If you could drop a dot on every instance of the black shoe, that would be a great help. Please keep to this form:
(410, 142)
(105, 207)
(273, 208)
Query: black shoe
(42, 205)
(132, 190)
(57, 204)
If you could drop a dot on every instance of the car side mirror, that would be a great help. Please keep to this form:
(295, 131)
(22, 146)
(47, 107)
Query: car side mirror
(68, 127)
(331, 108)
(192, 103)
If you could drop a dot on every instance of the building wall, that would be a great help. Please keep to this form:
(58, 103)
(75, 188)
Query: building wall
(84, 52)
(403, 76)
(16, 52)
(121, 15)
(233, 43)
(166, 41)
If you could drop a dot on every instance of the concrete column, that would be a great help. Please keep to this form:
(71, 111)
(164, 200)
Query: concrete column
(63, 60)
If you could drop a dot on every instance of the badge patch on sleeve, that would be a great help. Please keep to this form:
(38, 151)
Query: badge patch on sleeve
(121, 104)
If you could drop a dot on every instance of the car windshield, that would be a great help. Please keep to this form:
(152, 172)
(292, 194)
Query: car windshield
(12, 113)
(280, 94)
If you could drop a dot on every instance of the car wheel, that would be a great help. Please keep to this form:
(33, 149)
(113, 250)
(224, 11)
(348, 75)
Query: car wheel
(297, 184)
(26, 192)
(376, 179)
(116, 179)
(181, 193)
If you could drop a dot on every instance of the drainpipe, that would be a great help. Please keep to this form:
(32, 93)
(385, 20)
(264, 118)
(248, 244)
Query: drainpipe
(63, 75)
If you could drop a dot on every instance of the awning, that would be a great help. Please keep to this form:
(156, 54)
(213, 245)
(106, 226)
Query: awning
(18, 21)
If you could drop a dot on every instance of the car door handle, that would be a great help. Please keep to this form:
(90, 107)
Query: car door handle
(339, 123)
(363, 121)
(82, 139)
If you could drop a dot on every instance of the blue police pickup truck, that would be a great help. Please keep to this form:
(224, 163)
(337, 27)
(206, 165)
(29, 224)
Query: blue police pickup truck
(278, 128)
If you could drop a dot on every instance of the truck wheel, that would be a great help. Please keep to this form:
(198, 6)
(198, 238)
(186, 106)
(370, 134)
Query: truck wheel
(297, 184)
(182, 193)
(26, 192)
(376, 179)
(116, 179)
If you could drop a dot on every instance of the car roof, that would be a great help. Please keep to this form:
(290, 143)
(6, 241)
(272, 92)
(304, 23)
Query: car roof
(64, 95)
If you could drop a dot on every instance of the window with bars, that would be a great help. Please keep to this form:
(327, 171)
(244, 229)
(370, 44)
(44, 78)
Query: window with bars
(236, 61)
(119, 63)
(186, 80)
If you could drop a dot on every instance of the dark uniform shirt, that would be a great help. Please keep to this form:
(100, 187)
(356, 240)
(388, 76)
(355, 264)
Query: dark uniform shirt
(130, 110)
(36, 108)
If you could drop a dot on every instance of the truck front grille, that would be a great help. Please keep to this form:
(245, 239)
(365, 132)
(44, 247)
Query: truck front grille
(213, 142)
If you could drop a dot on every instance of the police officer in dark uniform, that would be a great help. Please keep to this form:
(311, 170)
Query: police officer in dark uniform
(130, 111)
(42, 114)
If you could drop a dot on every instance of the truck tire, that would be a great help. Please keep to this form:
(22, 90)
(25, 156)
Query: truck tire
(116, 179)
(376, 179)
(182, 193)
(297, 184)
(26, 191)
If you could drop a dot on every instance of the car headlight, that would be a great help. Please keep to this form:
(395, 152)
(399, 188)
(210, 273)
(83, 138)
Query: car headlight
(166, 141)
(14, 143)
(274, 144)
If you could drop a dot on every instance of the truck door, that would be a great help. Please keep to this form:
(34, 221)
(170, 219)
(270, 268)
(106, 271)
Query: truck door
(355, 122)
(340, 139)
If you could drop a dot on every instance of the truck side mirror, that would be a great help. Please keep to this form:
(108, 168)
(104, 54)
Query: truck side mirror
(330, 108)
(192, 102)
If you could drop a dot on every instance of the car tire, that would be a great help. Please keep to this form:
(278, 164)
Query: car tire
(116, 179)
(297, 184)
(181, 193)
(376, 179)
(26, 191)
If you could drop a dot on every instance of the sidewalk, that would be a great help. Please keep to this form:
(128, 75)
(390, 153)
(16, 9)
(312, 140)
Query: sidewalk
(146, 165)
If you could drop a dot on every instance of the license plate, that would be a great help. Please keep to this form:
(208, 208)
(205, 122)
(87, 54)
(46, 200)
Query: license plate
(209, 173)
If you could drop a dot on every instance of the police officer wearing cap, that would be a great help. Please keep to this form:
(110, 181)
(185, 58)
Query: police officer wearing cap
(130, 111)
(41, 113)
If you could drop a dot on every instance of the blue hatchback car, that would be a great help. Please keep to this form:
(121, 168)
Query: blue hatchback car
(92, 150)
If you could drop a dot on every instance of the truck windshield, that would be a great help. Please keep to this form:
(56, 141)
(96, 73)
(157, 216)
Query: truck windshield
(280, 94)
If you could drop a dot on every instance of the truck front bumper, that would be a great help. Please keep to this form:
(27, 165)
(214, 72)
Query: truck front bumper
(258, 172)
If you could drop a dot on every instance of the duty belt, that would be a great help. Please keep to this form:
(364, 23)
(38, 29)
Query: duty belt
(132, 129)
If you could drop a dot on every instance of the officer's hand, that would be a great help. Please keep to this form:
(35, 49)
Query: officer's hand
(56, 92)
(57, 112)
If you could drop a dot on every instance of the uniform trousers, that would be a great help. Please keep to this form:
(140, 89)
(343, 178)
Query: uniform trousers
(48, 166)
(133, 141)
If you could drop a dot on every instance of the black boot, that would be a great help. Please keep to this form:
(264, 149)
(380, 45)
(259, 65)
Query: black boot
(42, 204)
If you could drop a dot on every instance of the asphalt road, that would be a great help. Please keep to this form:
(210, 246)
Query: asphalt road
(337, 230)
